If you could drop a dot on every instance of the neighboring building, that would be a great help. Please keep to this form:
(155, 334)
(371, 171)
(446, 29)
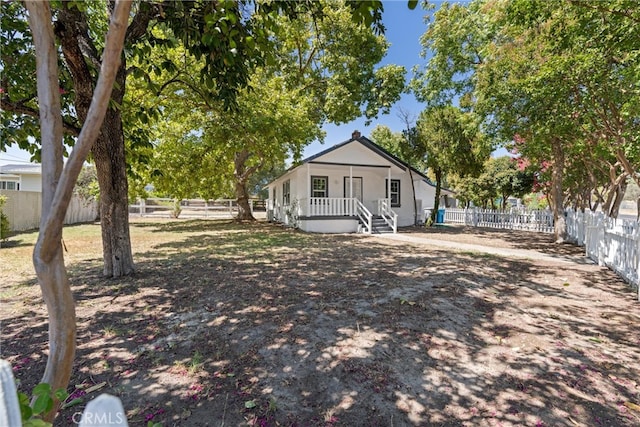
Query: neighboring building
(25, 177)
(355, 186)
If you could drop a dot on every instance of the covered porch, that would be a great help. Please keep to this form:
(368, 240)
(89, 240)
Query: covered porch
(338, 198)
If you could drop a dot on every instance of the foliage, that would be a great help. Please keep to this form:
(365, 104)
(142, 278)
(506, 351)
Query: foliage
(323, 70)
(87, 185)
(5, 227)
(500, 179)
(560, 82)
(43, 402)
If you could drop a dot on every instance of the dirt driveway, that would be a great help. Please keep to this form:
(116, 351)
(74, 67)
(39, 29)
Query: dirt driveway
(227, 325)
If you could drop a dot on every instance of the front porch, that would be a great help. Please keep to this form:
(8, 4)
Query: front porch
(335, 215)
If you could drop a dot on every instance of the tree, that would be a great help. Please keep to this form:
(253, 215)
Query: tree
(324, 70)
(58, 182)
(452, 143)
(561, 80)
(229, 39)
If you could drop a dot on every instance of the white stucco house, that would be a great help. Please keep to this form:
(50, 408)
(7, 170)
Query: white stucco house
(354, 186)
(25, 177)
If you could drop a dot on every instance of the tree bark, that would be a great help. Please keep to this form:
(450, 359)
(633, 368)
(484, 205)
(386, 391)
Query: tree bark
(58, 182)
(241, 174)
(436, 201)
(108, 150)
(557, 175)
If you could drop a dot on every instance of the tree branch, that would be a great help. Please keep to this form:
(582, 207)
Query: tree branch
(20, 108)
(140, 22)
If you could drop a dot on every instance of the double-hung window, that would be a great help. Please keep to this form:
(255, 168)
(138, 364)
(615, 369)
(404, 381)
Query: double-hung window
(395, 192)
(319, 186)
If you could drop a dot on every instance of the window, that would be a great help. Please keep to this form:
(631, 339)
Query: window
(286, 193)
(9, 185)
(319, 186)
(395, 192)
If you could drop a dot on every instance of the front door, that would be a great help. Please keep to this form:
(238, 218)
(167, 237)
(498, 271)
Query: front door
(357, 187)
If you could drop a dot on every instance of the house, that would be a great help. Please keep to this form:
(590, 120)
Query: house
(25, 177)
(354, 186)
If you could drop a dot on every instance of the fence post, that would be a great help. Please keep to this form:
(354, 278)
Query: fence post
(9, 406)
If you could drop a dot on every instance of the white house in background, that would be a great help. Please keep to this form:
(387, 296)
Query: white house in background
(355, 186)
(25, 177)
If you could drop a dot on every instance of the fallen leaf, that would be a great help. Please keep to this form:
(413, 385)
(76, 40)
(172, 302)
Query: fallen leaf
(632, 406)
(96, 387)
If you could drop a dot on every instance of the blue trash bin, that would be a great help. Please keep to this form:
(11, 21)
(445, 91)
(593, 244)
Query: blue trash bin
(440, 216)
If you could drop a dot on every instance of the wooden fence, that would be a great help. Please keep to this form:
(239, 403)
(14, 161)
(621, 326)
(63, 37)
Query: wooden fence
(191, 208)
(23, 210)
(614, 243)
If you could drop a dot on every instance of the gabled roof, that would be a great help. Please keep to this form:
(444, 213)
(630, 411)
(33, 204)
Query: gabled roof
(370, 145)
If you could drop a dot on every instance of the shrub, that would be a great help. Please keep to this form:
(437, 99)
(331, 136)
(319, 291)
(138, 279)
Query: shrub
(5, 228)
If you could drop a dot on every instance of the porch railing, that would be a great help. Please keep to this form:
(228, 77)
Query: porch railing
(365, 216)
(331, 206)
(389, 216)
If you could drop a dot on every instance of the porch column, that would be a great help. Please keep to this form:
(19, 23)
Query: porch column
(308, 189)
(388, 188)
(351, 190)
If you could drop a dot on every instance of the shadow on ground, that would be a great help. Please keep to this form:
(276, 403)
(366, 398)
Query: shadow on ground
(258, 325)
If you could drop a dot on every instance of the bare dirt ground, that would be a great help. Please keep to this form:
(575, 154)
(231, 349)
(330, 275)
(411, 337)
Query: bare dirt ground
(227, 325)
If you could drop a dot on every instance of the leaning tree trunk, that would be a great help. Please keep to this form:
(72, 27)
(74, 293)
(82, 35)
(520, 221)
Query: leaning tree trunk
(557, 175)
(58, 182)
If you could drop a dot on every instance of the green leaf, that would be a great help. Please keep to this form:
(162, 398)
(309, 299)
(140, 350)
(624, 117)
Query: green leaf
(42, 404)
(42, 388)
(250, 404)
(412, 4)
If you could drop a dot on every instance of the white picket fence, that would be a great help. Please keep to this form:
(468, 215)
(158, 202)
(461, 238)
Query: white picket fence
(514, 219)
(608, 241)
(614, 243)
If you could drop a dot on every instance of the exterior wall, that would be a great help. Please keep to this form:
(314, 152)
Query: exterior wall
(31, 183)
(354, 153)
(329, 225)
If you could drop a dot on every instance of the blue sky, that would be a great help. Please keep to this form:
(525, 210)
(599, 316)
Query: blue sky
(403, 30)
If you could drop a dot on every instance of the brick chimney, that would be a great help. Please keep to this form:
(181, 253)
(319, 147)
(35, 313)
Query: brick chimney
(356, 134)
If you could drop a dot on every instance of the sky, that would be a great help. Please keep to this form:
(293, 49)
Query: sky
(403, 30)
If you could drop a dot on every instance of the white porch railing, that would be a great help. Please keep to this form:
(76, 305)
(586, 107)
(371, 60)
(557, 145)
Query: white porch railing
(389, 216)
(365, 216)
(329, 206)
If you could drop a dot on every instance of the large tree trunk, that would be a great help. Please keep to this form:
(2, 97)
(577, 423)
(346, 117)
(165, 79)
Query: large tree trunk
(109, 156)
(557, 193)
(241, 174)
(108, 150)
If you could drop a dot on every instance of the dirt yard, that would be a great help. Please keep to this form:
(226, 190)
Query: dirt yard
(228, 325)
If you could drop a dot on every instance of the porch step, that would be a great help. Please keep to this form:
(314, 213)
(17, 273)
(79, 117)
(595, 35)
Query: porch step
(380, 226)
